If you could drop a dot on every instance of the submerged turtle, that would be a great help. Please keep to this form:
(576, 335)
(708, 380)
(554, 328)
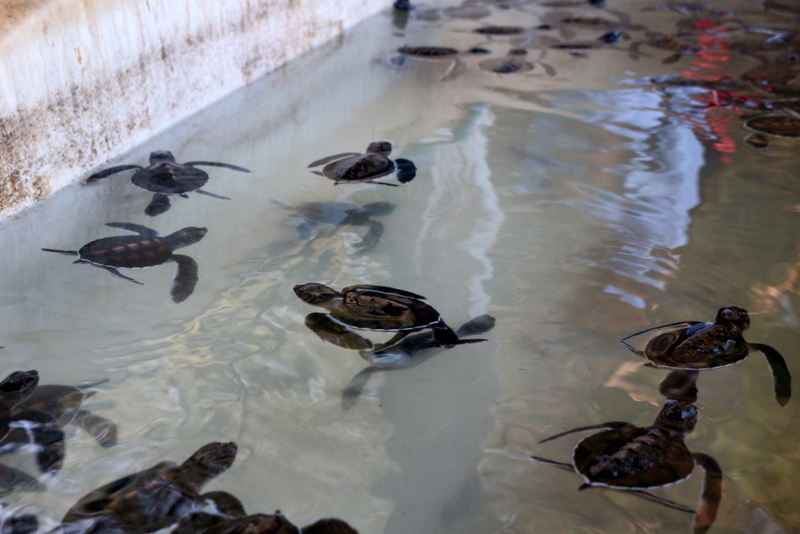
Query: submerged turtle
(310, 215)
(383, 309)
(410, 352)
(766, 126)
(147, 249)
(166, 177)
(24, 428)
(628, 457)
(696, 346)
(152, 499)
(352, 167)
(513, 62)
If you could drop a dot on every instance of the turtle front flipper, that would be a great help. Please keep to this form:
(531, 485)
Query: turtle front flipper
(110, 171)
(225, 503)
(217, 164)
(185, 278)
(560, 465)
(371, 238)
(612, 425)
(335, 157)
(405, 170)
(135, 228)
(101, 429)
(115, 272)
(444, 336)
(666, 502)
(11, 478)
(160, 204)
(66, 252)
(336, 333)
(711, 494)
(206, 193)
(780, 372)
(352, 391)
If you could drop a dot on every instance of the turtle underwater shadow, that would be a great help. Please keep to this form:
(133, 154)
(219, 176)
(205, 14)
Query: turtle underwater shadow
(147, 249)
(698, 346)
(166, 178)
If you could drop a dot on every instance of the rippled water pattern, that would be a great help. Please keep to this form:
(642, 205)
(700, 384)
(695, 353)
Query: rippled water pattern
(577, 208)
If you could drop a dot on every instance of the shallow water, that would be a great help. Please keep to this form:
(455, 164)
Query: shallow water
(576, 209)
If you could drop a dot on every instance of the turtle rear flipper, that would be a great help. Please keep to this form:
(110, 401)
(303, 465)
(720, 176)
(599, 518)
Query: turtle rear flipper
(110, 171)
(207, 462)
(352, 391)
(115, 272)
(217, 164)
(185, 278)
(101, 429)
(206, 193)
(478, 325)
(780, 372)
(160, 204)
(666, 502)
(711, 494)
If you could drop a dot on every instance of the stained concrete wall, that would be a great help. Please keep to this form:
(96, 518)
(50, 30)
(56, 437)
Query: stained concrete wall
(81, 81)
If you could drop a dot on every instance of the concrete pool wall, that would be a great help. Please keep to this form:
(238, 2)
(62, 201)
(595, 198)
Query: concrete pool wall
(83, 81)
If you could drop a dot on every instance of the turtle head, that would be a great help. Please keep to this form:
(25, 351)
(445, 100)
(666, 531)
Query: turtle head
(17, 387)
(185, 237)
(380, 147)
(316, 294)
(734, 317)
(161, 156)
(207, 462)
(678, 416)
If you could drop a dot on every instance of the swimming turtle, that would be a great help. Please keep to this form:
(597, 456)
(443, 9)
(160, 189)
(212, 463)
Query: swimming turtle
(666, 42)
(166, 177)
(628, 457)
(146, 249)
(240, 523)
(154, 498)
(765, 126)
(352, 167)
(410, 352)
(21, 428)
(513, 62)
(697, 346)
(383, 309)
(310, 215)
(442, 54)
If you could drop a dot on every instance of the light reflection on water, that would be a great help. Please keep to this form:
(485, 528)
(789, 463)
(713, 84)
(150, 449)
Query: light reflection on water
(574, 209)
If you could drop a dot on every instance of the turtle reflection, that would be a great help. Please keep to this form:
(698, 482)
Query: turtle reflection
(33, 416)
(154, 498)
(627, 457)
(410, 352)
(165, 177)
(311, 215)
(693, 345)
(353, 168)
(147, 249)
(376, 308)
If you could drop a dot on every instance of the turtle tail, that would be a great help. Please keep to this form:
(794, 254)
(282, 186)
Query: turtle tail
(69, 252)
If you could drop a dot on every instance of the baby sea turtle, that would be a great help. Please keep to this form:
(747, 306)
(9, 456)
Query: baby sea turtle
(697, 346)
(166, 177)
(352, 167)
(147, 249)
(772, 126)
(513, 62)
(310, 215)
(152, 499)
(410, 352)
(628, 457)
(382, 309)
(240, 523)
(440, 54)
(670, 43)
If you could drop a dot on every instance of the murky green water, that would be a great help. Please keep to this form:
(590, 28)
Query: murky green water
(576, 209)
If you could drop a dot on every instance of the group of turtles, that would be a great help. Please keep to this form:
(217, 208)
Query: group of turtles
(624, 456)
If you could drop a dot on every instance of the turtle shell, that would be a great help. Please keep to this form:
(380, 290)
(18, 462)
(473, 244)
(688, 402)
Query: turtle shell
(500, 30)
(775, 125)
(384, 309)
(428, 51)
(359, 168)
(633, 458)
(170, 178)
(696, 346)
(129, 252)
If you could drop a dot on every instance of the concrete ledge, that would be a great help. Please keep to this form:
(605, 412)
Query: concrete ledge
(84, 80)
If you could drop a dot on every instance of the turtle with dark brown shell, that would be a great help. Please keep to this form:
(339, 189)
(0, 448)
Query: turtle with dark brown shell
(154, 498)
(352, 167)
(165, 177)
(626, 457)
(765, 126)
(697, 346)
(382, 309)
(146, 249)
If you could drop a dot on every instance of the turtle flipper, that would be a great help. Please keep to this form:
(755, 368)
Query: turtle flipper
(613, 425)
(560, 465)
(385, 290)
(478, 325)
(50, 441)
(225, 503)
(661, 500)
(371, 238)
(118, 274)
(328, 159)
(101, 429)
(11, 478)
(711, 494)
(110, 171)
(352, 391)
(682, 324)
(780, 373)
(217, 164)
(160, 204)
(405, 170)
(206, 193)
(135, 228)
(185, 278)
(67, 252)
